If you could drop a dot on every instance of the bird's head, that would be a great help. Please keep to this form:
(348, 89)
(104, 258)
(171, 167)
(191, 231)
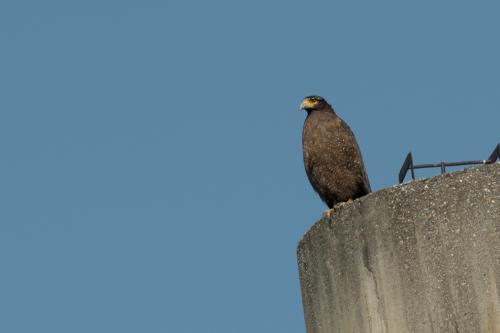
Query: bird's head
(311, 103)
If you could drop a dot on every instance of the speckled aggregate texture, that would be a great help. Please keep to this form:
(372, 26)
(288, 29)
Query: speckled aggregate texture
(419, 257)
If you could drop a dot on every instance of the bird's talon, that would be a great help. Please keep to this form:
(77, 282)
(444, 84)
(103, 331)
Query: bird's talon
(328, 213)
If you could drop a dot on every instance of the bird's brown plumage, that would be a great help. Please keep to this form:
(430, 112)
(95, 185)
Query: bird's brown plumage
(332, 158)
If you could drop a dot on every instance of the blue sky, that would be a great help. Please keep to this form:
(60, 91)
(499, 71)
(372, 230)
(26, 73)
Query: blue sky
(151, 175)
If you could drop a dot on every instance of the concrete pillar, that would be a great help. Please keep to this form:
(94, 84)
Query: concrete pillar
(419, 257)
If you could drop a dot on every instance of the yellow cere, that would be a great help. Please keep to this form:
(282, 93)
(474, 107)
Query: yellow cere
(308, 102)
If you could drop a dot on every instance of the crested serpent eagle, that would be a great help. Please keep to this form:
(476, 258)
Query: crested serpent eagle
(332, 158)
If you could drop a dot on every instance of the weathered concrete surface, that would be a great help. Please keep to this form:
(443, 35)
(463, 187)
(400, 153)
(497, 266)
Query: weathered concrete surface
(420, 257)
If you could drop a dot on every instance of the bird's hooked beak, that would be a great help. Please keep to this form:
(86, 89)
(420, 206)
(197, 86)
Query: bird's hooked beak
(306, 104)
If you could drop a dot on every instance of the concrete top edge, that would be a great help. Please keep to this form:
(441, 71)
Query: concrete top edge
(433, 188)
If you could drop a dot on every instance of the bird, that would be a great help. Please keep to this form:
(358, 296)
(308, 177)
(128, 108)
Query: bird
(332, 159)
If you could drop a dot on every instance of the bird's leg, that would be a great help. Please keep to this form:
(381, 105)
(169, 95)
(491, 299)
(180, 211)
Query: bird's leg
(328, 213)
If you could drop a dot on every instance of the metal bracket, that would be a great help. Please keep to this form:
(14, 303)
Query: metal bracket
(408, 164)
